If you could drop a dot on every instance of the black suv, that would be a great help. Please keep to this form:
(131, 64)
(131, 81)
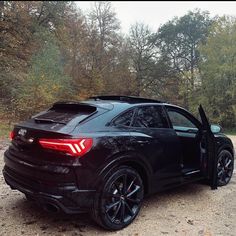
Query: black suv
(105, 154)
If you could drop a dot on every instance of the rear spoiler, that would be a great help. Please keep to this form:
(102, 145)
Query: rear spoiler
(74, 106)
(89, 106)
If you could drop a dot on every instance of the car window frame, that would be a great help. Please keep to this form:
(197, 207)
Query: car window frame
(112, 122)
(186, 114)
(148, 105)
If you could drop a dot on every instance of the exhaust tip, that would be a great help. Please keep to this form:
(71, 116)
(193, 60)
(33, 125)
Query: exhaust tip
(49, 207)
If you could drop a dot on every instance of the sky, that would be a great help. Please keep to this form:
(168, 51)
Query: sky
(155, 13)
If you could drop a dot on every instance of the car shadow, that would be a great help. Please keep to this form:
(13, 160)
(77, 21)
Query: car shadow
(81, 224)
(49, 222)
(184, 191)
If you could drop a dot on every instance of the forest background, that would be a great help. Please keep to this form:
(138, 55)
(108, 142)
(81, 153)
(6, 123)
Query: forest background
(51, 51)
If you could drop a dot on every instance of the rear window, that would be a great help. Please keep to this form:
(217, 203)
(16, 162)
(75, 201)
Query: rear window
(64, 113)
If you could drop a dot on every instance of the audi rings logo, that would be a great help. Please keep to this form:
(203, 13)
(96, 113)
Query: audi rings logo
(22, 132)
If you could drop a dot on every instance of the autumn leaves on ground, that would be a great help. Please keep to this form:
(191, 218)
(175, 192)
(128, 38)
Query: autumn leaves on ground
(193, 209)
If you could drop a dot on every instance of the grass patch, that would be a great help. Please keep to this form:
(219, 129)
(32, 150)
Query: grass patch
(230, 132)
(5, 129)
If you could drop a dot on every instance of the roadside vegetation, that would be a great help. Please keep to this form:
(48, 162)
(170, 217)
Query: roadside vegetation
(51, 50)
(230, 132)
(5, 129)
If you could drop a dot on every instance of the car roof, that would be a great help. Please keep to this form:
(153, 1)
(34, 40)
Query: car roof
(112, 101)
(120, 102)
(127, 99)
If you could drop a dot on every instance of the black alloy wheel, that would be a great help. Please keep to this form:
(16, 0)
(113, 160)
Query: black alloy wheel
(225, 167)
(121, 199)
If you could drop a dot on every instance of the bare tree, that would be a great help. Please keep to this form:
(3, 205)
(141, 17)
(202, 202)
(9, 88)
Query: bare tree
(142, 54)
(104, 21)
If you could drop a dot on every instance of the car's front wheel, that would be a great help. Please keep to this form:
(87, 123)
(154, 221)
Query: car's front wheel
(225, 166)
(119, 198)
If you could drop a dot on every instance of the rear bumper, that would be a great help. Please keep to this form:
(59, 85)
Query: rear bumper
(66, 197)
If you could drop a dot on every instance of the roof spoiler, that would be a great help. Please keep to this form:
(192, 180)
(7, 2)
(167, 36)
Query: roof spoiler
(131, 99)
(72, 105)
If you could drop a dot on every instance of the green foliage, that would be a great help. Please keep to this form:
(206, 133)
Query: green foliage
(15, 48)
(142, 55)
(5, 129)
(230, 131)
(218, 72)
(51, 51)
(178, 41)
(45, 81)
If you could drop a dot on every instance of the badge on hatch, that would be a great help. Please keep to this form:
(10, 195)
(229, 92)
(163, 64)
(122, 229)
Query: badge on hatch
(22, 132)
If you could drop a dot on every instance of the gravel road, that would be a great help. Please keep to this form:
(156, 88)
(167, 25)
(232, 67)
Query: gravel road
(189, 210)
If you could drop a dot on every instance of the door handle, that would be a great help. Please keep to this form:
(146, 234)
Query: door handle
(192, 131)
(142, 141)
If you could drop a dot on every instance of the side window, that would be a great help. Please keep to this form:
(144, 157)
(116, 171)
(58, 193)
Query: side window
(150, 117)
(180, 122)
(124, 119)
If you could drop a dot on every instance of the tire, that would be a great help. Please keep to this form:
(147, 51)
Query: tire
(119, 199)
(225, 167)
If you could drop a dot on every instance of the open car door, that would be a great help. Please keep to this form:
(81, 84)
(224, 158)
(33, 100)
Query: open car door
(208, 151)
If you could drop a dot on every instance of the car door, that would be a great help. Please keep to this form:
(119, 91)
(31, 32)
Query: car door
(187, 129)
(208, 151)
(153, 137)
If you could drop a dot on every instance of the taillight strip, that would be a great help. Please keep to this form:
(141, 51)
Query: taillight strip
(75, 147)
(82, 143)
(65, 144)
(12, 135)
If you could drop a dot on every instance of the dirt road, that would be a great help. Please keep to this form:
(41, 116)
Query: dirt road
(190, 210)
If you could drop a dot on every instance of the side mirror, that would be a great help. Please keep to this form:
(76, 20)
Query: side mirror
(216, 129)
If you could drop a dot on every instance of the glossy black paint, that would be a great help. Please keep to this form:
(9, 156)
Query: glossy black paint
(164, 157)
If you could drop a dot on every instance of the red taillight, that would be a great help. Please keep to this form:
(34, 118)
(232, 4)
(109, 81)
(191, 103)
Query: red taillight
(12, 135)
(73, 147)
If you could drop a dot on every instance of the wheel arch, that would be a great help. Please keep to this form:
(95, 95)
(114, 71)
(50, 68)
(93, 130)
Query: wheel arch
(227, 148)
(133, 160)
(142, 172)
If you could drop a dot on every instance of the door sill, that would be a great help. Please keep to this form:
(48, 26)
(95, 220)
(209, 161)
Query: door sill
(190, 171)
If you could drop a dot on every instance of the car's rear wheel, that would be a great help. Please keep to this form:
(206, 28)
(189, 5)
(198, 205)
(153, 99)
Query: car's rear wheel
(225, 166)
(119, 199)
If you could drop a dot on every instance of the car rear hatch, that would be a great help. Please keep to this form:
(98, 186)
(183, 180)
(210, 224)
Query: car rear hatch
(56, 123)
(27, 159)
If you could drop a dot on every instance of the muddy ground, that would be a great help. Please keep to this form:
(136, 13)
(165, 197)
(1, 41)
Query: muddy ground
(189, 210)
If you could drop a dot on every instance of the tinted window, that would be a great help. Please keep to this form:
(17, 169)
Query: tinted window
(124, 119)
(179, 121)
(150, 117)
(64, 113)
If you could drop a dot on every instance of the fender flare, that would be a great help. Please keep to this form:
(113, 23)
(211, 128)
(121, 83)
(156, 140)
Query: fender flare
(226, 147)
(128, 158)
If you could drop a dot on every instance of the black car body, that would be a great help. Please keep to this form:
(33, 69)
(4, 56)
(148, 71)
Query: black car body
(64, 157)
